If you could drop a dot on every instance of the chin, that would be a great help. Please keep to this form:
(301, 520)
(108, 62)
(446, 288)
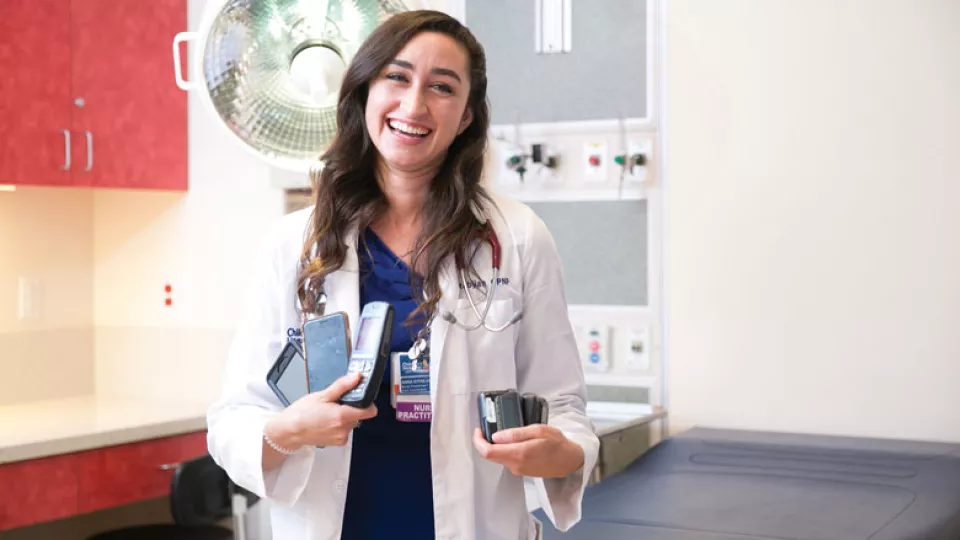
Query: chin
(405, 162)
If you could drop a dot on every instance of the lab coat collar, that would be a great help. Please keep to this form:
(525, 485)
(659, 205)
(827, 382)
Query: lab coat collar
(343, 286)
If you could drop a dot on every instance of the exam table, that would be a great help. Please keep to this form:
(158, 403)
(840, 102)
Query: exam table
(710, 484)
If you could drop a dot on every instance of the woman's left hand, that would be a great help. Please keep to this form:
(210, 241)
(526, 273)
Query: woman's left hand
(538, 451)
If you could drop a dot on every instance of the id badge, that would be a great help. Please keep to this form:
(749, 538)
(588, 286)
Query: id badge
(410, 392)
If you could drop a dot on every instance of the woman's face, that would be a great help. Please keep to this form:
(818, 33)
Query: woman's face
(417, 104)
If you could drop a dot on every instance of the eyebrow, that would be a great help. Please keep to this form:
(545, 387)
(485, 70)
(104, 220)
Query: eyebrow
(436, 71)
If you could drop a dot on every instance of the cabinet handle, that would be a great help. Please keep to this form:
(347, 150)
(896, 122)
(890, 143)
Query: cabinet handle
(182, 37)
(66, 149)
(89, 151)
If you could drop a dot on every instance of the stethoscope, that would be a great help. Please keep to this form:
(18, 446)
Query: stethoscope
(489, 236)
(420, 345)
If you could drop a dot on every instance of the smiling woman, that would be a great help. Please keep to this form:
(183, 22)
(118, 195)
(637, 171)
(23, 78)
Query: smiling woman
(399, 209)
(417, 104)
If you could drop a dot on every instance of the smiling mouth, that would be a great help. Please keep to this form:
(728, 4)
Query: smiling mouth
(406, 130)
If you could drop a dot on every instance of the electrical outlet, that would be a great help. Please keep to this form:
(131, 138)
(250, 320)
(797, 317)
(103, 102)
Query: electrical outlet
(594, 341)
(31, 298)
(595, 156)
(639, 153)
(637, 354)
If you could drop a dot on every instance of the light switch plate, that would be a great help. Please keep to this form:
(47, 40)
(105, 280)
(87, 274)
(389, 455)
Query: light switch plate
(30, 298)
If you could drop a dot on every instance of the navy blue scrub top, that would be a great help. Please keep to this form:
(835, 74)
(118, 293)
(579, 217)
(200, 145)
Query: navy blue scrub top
(390, 492)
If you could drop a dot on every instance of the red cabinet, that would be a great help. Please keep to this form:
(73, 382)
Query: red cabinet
(35, 92)
(133, 472)
(38, 490)
(61, 486)
(102, 70)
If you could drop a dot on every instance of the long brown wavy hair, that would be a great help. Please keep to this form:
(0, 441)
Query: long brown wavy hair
(347, 193)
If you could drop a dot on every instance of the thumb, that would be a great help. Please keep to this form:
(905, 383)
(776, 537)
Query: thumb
(516, 435)
(340, 387)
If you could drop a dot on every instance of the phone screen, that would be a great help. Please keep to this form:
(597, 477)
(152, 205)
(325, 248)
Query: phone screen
(366, 339)
(327, 347)
(293, 380)
(288, 377)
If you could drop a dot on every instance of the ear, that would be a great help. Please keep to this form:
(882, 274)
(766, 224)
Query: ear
(466, 120)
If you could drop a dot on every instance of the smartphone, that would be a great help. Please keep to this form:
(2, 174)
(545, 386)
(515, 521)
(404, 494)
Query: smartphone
(326, 345)
(288, 375)
(371, 353)
(499, 410)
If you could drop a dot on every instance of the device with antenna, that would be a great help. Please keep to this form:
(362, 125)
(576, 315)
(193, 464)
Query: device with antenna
(371, 353)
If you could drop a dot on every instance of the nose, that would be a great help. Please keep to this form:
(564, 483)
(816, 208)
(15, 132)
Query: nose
(413, 102)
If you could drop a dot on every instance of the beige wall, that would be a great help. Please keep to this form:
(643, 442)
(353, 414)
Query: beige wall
(813, 268)
(46, 234)
(203, 243)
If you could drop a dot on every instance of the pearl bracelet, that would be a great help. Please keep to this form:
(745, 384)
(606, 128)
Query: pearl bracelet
(277, 447)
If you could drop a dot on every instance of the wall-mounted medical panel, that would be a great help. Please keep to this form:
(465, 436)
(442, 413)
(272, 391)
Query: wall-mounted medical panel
(602, 71)
(575, 161)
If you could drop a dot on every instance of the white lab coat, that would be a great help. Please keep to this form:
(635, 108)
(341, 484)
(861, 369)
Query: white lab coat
(473, 498)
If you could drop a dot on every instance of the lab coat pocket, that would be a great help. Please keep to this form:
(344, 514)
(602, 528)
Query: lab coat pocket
(489, 358)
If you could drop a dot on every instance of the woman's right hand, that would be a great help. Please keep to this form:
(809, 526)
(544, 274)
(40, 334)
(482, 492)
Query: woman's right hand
(317, 419)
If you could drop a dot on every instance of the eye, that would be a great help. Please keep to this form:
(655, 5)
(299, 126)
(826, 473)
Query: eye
(399, 77)
(444, 88)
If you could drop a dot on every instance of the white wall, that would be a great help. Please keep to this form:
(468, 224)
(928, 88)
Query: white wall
(813, 204)
(202, 243)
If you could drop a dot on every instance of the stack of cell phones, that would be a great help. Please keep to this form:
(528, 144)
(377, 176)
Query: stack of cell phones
(328, 354)
(506, 409)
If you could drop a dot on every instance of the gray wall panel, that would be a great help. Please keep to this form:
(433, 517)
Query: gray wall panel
(603, 246)
(604, 75)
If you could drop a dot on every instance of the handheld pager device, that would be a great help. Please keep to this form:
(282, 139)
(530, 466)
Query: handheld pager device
(499, 410)
(371, 353)
(326, 344)
(535, 409)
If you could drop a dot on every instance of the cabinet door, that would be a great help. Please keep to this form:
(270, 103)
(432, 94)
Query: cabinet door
(34, 91)
(132, 127)
(38, 490)
(133, 472)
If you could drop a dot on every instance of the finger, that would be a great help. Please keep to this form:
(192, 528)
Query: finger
(353, 414)
(369, 412)
(527, 433)
(481, 444)
(507, 455)
(340, 387)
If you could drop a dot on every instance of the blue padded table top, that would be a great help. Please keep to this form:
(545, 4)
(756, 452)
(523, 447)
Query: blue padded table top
(709, 484)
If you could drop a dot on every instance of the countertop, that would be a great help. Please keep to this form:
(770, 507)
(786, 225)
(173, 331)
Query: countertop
(609, 417)
(45, 428)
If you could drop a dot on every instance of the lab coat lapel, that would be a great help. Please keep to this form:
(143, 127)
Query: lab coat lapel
(343, 286)
(449, 294)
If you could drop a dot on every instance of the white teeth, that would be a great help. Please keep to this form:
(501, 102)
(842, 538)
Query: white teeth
(407, 128)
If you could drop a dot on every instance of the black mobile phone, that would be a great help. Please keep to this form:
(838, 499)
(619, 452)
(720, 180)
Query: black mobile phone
(288, 375)
(326, 343)
(371, 353)
(499, 410)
